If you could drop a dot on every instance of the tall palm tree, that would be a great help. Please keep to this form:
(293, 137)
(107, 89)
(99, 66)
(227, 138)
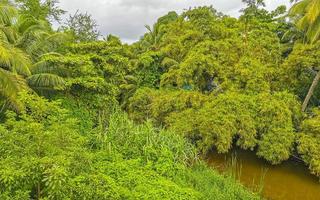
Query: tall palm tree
(306, 15)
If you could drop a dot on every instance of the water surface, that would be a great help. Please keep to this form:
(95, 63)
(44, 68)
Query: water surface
(290, 180)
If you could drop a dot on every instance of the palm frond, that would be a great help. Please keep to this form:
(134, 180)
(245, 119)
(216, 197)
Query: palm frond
(303, 23)
(41, 67)
(169, 62)
(20, 62)
(44, 66)
(313, 10)
(8, 33)
(306, 15)
(46, 81)
(314, 32)
(7, 13)
(148, 28)
(24, 22)
(298, 8)
(14, 59)
(10, 86)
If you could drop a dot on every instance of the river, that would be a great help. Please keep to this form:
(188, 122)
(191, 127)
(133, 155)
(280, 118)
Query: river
(290, 180)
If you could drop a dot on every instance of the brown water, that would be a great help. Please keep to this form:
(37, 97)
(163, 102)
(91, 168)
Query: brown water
(289, 181)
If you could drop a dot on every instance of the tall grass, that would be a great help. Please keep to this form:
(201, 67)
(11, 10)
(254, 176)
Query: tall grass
(233, 168)
(172, 157)
(258, 187)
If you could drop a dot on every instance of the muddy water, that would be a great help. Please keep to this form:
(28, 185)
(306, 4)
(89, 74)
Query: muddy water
(288, 181)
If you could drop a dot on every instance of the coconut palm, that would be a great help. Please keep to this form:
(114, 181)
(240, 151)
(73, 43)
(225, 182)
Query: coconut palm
(23, 39)
(13, 62)
(38, 40)
(306, 15)
(153, 37)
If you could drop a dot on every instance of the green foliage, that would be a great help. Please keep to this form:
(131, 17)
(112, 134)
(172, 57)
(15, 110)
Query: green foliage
(44, 156)
(308, 142)
(153, 104)
(244, 75)
(306, 16)
(94, 75)
(217, 121)
(82, 27)
(24, 36)
(152, 39)
(209, 80)
(36, 149)
(205, 50)
(298, 70)
(47, 10)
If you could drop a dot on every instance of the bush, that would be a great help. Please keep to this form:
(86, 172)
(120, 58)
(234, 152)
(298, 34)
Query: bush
(254, 121)
(309, 142)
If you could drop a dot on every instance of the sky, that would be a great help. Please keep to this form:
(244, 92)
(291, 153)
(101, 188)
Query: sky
(127, 18)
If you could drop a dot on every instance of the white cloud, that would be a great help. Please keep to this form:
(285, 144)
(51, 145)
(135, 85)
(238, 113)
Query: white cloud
(126, 18)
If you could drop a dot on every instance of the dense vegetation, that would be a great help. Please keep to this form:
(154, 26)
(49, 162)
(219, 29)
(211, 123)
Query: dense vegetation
(84, 118)
(221, 81)
(45, 156)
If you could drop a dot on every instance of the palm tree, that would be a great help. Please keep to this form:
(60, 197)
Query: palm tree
(152, 39)
(306, 15)
(45, 75)
(13, 62)
(23, 39)
(38, 40)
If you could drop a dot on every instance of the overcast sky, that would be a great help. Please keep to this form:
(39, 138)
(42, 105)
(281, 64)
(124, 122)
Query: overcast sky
(126, 18)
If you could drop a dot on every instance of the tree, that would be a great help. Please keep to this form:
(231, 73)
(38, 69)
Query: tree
(306, 15)
(83, 27)
(24, 38)
(47, 9)
(152, 39)
(14, 63)
(309, 142)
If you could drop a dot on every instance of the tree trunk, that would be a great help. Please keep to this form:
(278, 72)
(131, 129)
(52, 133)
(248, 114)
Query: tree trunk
(311, 90)
(38, 191)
